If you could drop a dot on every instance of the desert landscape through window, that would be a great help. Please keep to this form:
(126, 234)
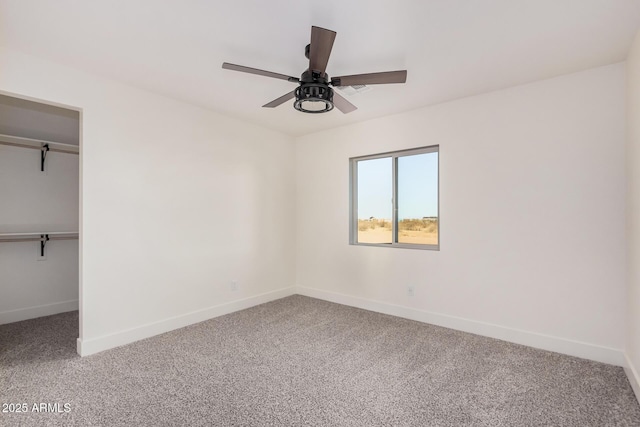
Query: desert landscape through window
(411, 180)
(422, 231)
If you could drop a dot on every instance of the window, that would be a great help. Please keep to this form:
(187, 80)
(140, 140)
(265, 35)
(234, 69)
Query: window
(394, 199)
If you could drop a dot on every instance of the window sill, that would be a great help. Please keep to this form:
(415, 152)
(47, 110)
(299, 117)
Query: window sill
(399, 245)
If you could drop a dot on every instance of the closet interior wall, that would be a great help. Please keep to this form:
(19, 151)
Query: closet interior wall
(32, 200)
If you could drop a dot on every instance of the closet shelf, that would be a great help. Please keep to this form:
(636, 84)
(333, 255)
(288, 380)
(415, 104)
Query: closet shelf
(37, 144)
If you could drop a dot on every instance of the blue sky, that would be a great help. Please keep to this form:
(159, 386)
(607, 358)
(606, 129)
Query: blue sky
(417, 187)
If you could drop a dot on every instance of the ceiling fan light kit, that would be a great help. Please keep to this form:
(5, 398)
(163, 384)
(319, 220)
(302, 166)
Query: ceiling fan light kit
(314, 98)
(314, 94)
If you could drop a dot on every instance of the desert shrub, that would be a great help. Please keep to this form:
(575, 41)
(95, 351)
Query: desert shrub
(412, 224)
(432, 227)
(364, 225)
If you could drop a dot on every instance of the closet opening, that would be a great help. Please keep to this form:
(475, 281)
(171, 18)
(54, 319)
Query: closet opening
(40, 227)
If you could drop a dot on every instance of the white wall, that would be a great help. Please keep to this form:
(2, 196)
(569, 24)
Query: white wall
(31, 200)
(532, 191)
(632, 347)
(176, 202)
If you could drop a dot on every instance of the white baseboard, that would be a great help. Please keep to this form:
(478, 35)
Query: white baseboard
(94, 345)
(37, 311)
(633, 375)
(545, 342)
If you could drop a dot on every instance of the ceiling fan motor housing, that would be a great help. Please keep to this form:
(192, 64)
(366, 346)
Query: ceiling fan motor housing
(314, 94)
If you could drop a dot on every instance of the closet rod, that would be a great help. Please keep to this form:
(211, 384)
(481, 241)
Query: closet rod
(36, 144)
(43, 238)
(38, 239)
(53, 149)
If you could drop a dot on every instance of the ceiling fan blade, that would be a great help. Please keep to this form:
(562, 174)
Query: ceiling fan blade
(320, 48)
(342, 104)
(282, 99)
(371, 78)
(250, 70)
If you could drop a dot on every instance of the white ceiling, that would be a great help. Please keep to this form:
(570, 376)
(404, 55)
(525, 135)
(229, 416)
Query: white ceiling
(451, 49)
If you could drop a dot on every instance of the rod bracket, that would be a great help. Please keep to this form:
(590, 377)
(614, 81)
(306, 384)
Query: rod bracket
(43, 242)
(43, 155)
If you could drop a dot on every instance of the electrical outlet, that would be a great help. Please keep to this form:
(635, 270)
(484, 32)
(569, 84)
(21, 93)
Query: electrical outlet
(233, 285)
(411, 290)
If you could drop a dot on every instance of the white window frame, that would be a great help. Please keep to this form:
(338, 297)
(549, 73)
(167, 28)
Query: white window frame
(353, 197)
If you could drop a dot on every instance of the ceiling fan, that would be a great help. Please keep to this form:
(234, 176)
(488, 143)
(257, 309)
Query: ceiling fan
(313, 95)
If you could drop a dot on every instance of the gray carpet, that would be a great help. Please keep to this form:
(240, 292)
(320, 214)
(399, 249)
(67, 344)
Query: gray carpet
(301, 361)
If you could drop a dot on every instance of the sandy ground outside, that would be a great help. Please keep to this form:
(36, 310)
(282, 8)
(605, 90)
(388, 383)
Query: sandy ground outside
(418, 237)
(376, 235)
(383, 235)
